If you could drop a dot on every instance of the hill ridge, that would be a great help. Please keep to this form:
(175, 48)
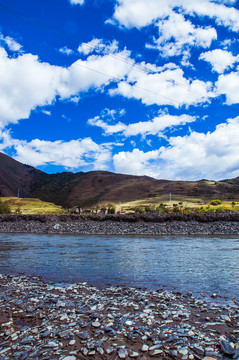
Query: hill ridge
(96, 187)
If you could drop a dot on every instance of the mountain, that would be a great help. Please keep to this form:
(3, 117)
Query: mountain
(88, 189)
(15, 176)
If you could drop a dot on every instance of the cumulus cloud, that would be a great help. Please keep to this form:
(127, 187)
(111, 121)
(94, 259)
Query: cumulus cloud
(140, 13)
(220, 60)
(66, 51)
(71, 155)
(137, 162)
(12, 44)
(228, 85)
(176, 35)
(98, 46)
(27, 83)
(174, 20)
(214, 155)
(77, 2)
(168, 87)
(143, 128)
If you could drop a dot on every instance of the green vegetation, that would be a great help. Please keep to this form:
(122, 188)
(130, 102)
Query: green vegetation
(28, 206)
(4, 208)
(216, 202)
(186, 206)
(111, 209)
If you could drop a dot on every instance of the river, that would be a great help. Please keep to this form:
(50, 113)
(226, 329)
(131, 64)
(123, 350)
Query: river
(197, 264)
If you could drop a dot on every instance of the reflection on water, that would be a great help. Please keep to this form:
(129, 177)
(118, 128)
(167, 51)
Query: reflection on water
(207, 264)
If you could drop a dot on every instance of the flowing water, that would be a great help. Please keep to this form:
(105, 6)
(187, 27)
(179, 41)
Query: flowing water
(198, 263)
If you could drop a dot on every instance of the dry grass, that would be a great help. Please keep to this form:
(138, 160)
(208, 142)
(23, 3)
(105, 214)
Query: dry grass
(32, 206)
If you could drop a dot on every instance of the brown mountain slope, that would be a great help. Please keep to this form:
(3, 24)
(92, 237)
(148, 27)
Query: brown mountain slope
(15, 175)
(88, 189)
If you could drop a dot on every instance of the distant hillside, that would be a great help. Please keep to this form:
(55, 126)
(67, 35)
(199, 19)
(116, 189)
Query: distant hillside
(14, 175)
(98, 187)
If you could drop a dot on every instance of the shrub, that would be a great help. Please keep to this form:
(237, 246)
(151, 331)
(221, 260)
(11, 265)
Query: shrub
(161, 208)
(216, 202)
(4, 208)
(220, 209)
(139, 209)
(111, 209)
(149, 208)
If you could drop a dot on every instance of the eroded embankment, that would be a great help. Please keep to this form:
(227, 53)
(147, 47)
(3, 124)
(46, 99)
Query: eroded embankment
(154, 224)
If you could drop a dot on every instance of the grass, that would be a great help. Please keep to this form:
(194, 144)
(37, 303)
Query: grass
(36, 206)
(32, 206)
(192, 203)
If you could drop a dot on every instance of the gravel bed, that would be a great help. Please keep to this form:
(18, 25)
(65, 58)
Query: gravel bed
(121, 227)
(47, 321)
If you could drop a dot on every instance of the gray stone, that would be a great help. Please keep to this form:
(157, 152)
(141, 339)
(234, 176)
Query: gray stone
(100, 350)
(23, 356)
(198, 350)
(83, 335)
(27, 340)
(122, 353)
(226, 348)
(96, 324)
(144, 347)
(133, 354)
(109, 350)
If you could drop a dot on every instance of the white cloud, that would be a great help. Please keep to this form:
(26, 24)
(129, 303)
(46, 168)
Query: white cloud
(223, 15)
(214, 155)
(66, 51)
(26, 82)
(228, 85)
(77, 2)
(46, 112)
(168, 87)
(98, 46)
(140, 13)
(71, 155)
(219, 59)
(176, 35)
(153, 127)
(12, 44)
(136, 162)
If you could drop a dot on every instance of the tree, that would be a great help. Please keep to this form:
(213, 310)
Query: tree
(111, 208)
(4, 208)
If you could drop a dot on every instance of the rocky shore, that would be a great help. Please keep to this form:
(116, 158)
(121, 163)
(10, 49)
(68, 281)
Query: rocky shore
(157, 225)
(50, 321)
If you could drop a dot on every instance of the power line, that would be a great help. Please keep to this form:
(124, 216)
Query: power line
(17, 14)
(130, 62)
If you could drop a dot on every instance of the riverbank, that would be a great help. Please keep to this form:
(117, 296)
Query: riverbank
(173, 224)
(42, 320)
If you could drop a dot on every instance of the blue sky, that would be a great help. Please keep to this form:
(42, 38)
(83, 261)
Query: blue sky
(143, 87)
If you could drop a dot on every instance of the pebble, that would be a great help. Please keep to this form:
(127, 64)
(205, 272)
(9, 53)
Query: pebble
(133, 354)
(83, 335)
(144, 348)
(96, 324)
(183, 351)
(122, 353)
(113, 322)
